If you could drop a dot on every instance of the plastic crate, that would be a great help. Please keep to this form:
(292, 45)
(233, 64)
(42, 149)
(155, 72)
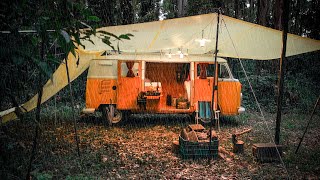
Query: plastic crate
(198, 149)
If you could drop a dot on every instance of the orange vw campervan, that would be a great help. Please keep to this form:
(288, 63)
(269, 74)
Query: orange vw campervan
(136, 84)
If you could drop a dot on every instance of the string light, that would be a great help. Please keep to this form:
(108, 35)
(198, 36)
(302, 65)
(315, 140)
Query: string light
(169, 54)
(179, 53)
(179, 50)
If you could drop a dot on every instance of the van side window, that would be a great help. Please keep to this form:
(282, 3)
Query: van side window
(223, 73)
(129, 69)
(205, 70)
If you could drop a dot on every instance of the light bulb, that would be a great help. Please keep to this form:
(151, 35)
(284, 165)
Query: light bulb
(202, 42)
(181, 55)
(170, 55)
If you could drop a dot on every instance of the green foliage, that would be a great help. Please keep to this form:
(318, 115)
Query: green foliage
(148, 11)
(52, 24)
(169, 9)
(79, 177)
(42, 176)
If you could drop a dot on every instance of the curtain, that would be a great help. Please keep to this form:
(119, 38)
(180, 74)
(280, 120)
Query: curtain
(130, 66)
(203, 70)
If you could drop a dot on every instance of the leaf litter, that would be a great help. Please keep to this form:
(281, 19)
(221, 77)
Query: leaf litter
(134, 150)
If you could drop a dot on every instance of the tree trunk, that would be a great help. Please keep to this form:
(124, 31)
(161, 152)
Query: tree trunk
(126, 11)
(277, 14)
(104, 9)
(236, 9)
(251, 11)
(262, 12)
(262, 20)
(144, 7)
(182, 6)
(284, 22)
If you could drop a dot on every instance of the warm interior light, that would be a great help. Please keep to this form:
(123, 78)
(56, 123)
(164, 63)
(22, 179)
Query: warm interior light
(202, 42)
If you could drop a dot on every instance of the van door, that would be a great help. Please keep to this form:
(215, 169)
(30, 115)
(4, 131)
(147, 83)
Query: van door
(129, 84)
(229, 92)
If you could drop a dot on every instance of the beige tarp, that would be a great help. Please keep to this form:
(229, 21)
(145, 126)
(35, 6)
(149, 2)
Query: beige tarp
(251, 41)
(236, 39)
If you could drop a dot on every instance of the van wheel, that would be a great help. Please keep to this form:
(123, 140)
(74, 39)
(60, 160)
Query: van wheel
(110, 115)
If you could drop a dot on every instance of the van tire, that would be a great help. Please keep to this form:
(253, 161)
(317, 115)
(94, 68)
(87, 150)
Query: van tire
(107, 121)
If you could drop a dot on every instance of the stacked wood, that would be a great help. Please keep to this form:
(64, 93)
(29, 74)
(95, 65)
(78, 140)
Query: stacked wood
(196, 127)
(184, 135)
(197, 133)
(192, 135)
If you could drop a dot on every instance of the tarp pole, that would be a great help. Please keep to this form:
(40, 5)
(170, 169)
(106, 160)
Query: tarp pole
(282, 64)
(215, 87)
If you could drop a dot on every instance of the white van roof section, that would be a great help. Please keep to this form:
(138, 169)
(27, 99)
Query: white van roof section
(161, 57)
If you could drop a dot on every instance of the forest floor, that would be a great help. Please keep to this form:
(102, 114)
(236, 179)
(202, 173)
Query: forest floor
(141, 148)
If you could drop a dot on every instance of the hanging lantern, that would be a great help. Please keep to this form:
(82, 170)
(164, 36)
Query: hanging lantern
(203, 41)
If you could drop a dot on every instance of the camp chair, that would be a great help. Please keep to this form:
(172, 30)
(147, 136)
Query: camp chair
(205, 113)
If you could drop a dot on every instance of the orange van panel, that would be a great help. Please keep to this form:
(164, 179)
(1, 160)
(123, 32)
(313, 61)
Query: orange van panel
(129, 88)
(229, 97)
(99, 91)
(203, 89)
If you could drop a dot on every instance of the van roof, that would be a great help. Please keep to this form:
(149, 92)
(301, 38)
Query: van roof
(161, 57)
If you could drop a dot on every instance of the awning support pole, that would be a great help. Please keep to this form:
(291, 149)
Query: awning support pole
(282, 64)
(215, 86)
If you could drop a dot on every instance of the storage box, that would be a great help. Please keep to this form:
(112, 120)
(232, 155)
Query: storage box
(198, 149)
(266, 152)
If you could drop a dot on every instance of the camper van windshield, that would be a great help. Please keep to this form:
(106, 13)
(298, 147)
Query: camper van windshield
(223, 72)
